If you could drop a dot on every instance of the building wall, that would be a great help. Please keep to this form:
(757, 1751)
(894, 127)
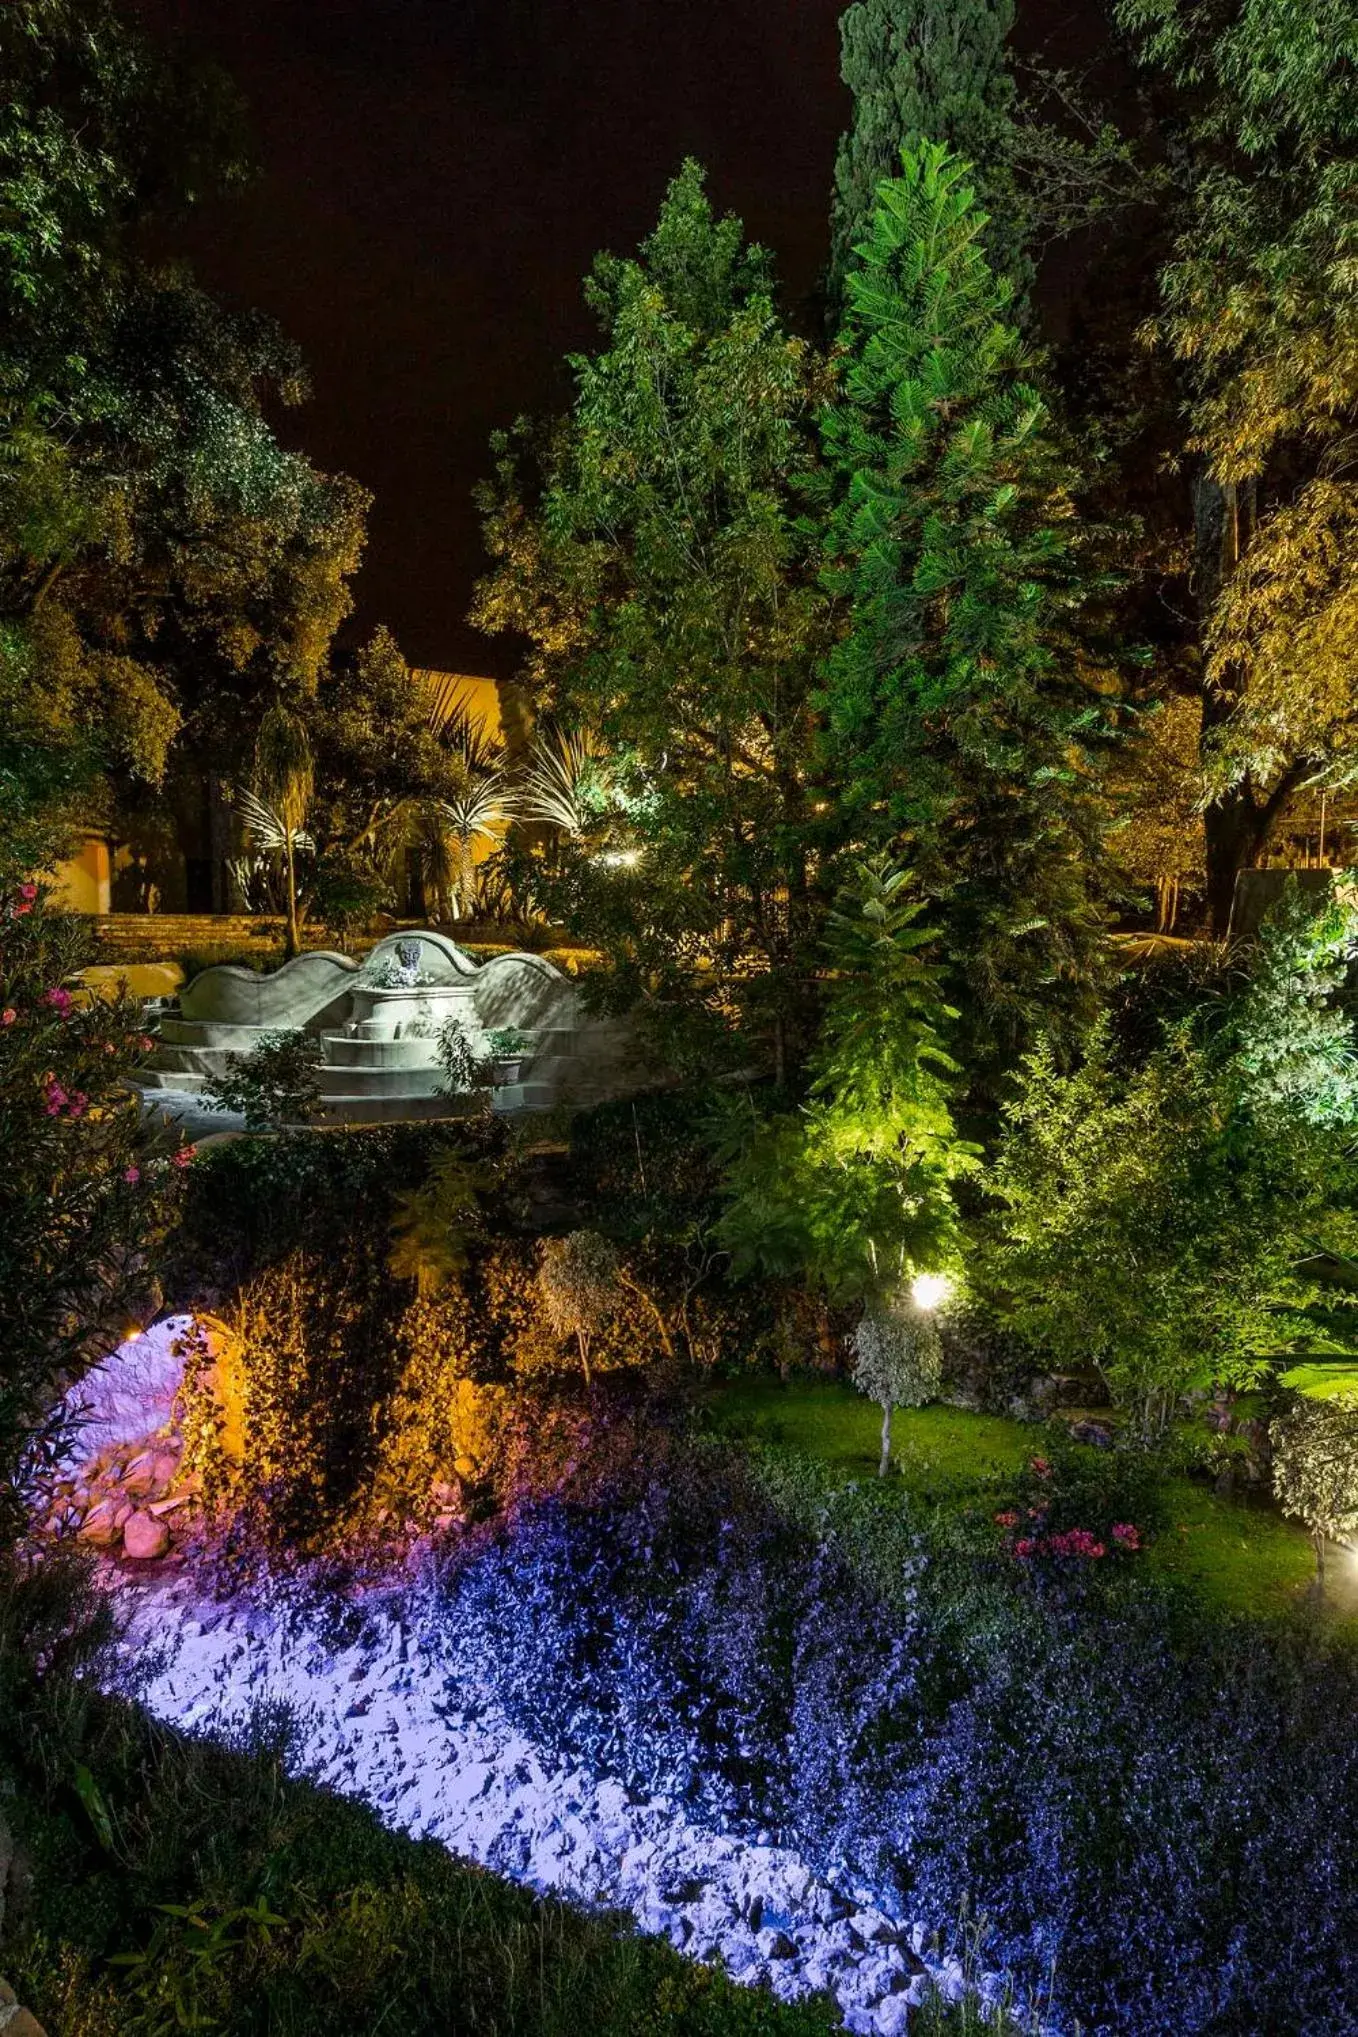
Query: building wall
(83, 883)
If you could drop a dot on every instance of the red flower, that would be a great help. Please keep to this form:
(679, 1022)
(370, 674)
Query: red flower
(1041, 1468)
(18, 911)
(184, 1157)
(1024, 1546)
(1007, 1519)
(1126, 1536)
(8, 1015)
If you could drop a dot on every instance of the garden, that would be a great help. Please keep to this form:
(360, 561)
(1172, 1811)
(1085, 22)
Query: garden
(808, 1483)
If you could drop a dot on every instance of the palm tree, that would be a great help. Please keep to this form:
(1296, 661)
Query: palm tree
(285, 773)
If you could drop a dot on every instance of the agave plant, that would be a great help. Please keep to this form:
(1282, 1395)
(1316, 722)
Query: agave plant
(563, 768)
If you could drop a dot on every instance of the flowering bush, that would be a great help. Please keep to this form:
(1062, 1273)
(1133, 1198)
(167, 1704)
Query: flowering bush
(1082, 1507)
(84, 1194)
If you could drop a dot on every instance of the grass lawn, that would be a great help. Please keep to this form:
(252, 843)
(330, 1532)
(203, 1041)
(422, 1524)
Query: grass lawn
(1244, 1558)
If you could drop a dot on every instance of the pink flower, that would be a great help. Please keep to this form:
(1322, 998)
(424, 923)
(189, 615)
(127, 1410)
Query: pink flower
(76, 1107)
(1126, 1536)
(60, 1001)
(1077, 1542)
(131, 1175)
(1006, 1520)
(144, 1043)
(28, 891)
(8, 1015)
(184, 1157)
(1041, 1468)
(55, 1097)
(1024, 1546)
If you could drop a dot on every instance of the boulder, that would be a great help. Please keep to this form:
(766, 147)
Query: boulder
(100, 1524)
(145, 1538)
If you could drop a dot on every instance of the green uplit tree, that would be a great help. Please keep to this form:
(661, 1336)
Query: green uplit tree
(957, 720)
(663, 582)
(855, 1191)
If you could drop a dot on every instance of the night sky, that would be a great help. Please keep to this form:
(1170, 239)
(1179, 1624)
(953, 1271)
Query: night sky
(437, 176)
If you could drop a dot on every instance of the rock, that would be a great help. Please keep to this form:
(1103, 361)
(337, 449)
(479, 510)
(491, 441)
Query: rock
(872, 1927)
(893, 2016)
(775, 1945)
(145, 1538)
(100, 1524)
(21, 2024)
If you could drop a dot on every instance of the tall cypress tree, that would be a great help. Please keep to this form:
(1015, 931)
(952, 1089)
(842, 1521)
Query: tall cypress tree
(957, 723)
(926, 70)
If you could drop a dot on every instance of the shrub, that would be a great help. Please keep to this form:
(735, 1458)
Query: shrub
(1315, 1469)
(85, 1193)
(276, 1084)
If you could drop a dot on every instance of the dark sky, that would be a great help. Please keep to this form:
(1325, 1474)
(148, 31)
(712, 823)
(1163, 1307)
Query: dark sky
(438, 175)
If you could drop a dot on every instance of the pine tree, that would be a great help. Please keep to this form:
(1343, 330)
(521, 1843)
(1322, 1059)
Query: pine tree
(925, 70)
(954, 711)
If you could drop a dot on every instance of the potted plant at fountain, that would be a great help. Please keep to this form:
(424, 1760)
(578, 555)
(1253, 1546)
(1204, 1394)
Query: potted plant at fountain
(508, 1051)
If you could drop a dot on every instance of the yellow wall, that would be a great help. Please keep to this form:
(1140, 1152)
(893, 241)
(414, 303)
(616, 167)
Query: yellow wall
(81, 883)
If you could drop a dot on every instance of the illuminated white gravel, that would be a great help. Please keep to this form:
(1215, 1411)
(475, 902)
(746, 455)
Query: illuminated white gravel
(384, 1720)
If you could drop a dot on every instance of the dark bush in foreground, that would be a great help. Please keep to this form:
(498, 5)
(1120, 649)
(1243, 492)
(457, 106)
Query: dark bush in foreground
(1160, 1805)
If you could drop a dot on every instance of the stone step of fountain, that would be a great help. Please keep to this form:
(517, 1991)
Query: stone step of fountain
(344, 1078)
(349, 1050)
(381, 1107)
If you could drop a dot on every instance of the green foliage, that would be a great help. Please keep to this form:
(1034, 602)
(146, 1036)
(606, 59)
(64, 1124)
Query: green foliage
(926, 71)
(85, 1198)
(276, 1084)
(665, 584)
(954, 705)
(1260, 336)
(1315, 1468)
(163, 560)
(1172, 1219)
(855, 1191)
(938, 71)
(435, 1224)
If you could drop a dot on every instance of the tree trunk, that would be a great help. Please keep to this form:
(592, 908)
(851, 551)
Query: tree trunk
(885, 1463)
(1318, 1544)
(293, 941)
(1223, 522)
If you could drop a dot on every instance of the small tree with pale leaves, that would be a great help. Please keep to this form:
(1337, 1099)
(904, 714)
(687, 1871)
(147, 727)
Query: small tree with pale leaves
(1315, 1470)
(578, 1288)
(897, 1360)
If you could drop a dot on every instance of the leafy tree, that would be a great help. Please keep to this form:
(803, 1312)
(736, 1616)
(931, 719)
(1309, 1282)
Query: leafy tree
(1158, 784)
(855, 1191)
(1171, 1220)
(578, 1287)
(436, 1224)
(1255, 317)
(164, 562)
(1315, 1470)
(666, 587)
(956, 712)
(897, 1360)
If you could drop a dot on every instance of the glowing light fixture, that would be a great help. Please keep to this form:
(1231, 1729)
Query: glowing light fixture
(930, 1290)
(620, 859)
